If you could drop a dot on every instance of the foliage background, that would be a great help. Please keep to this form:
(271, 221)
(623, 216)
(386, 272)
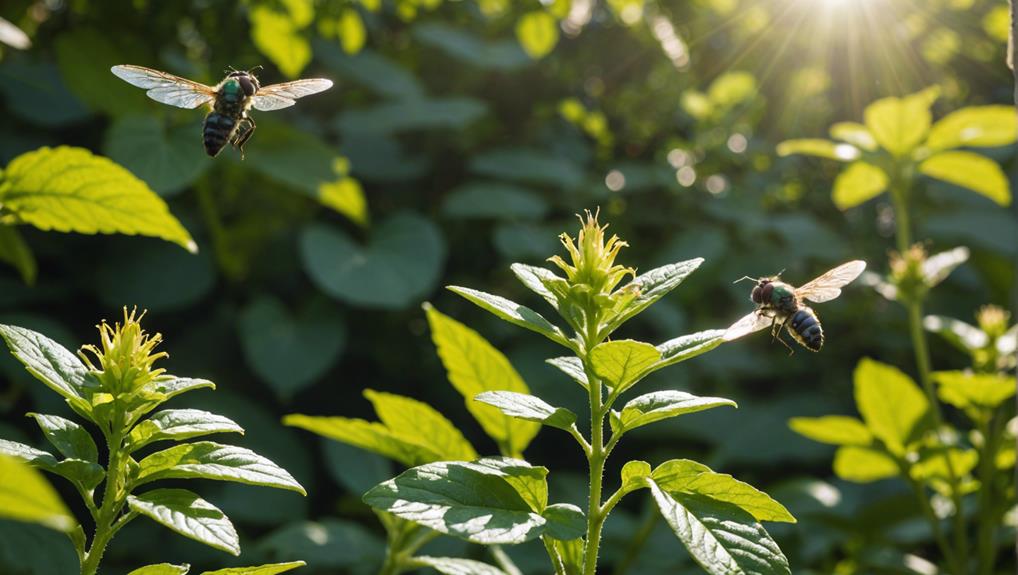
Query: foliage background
(471, 154)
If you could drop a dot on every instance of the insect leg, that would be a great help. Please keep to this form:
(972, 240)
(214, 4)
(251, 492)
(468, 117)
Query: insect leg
(776, 330)
(248, 128)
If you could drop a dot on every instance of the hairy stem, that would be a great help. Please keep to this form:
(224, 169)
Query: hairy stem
(107, 523)
(595, 520)
(990, 428)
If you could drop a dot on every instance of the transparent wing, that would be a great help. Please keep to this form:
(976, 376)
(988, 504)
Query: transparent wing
(279, 96)
(751, 322)
(828, 286)
(166, 88)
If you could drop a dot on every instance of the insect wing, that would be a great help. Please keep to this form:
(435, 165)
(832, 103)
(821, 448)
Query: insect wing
(166, 88)
(751, 322)
(828, 286)
(279, 96)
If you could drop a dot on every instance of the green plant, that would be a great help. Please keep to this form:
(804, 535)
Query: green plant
(115, 386)
(504, 500)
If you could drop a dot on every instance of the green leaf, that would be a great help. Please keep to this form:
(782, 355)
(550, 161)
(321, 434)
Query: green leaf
(467, 47)
(974, 390)
(686, 476)
(68, 437)
(722, 538)
(495, 200)
(475, 366)
(371, 436)
(290, 351)
(535, 279)
(652, 286)
(35, 92)
(162, 569)
(688, 346)
(158, 391)
(15, 251)
(268, 569)
(191, 516)
(70, 190)
(858, 183)
(530, 165)
(820, 148)
(418, 423)
(416, 114)
(457, 566)
(169, 159)
(565, 521)
(863, 464)
(25, 495)
(891, 404)
(537, 32)
(635, 475)
(832, 429)
(400, 263)
(933, 464)
(178, 425)
(621, 363)
(529, 407)
(473, 501)
(85, 56)
(963, 336)
(52, 364)
(900, 124)
(351, 30)
(346, 196)
(571, 366)
(661, 405)
(855, 134)
(513, 313)
(571, 553)
(278, 37)
(209, 460)
(85, 474)
(972, 171)
(976, 126)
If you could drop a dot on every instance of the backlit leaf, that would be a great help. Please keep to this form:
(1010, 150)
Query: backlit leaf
(820, 148)
(976, 126)
(891, 404)
(864, 465)
(15, 251)
(416, 422)
(167, 158)
(269, 569)
(189, 515)
(622, 363)
(369, 435)
(857, 183)
(832, 429)
(965, 337)
(162, 569)
(981, 390)
(278, 37)
(972, 171)
(537, 32)
(660, 405)
(855, 134)
(25, 495)
(686, 476)
(900, 124)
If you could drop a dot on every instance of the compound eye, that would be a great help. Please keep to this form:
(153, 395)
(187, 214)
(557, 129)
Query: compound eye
(246, 85)
(755, 296)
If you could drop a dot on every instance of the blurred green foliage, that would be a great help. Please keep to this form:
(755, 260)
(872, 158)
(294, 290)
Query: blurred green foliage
(460, 137)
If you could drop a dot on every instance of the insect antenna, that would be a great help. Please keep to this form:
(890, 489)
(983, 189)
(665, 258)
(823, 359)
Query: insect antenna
(745, 278)
(258, 67)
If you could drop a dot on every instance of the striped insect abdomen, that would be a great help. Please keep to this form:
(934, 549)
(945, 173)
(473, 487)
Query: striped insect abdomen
(805, 328)
(217, 131)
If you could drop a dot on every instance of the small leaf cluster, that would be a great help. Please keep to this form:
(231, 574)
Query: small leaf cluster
(504, 500)
(116, 388)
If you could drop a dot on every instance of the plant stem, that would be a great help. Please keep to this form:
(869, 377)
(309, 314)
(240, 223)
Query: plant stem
(504, 561)
(990, 428)
(595, 520)
(111, 503)
(931, 518)
(553, 554)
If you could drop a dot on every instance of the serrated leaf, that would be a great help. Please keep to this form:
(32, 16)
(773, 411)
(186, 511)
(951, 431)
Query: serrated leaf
(565, 521)
(513, 313)
(974, 390)
(470, 500)
(820, 148)
(418, 423)
(855, 134)
(891, 404)
(971, 171)
(900, 124)
(620, 364)
(183, 511)
(537, 32)
(368, 435)
(528, 407)
(70, 190)
(858, 183)
(86, 474)
(178, 425)
(863, 464)
(571, 366)
(475, 366)
(52, 364)
(660, 405)
(832, 429)
(976, 126)
(15, 251)
(268, 569)
(652, 286)
(162, 569)
(722, 538)
(25, 495)
(68, 437)
(686, 476)
(457, 566)
(210, 460)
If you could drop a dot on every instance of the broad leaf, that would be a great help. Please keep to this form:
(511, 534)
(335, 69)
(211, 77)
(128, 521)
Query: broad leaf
(972, 171)
(652, 286)
(855, 134)
(278, 36)
(162, 569)
(474, 366)
(686, 476)
(722, 538)
(863, 464)
(70, 190)
(86, 474)
(209, 460)
(473, 501)
(167, 158)
(858, 183)
(53, 365)
(571, 366)
(932, 465)
(513, 313)
(891, 404)
(685, 347)
(529, 407)
(457, 566)
(68, 437)
(565, 521)
(156, 392)
(178, 425)
(269, 569)
(536, 279)
(368, 435)
(620, 364)
(418, 423)
(660, 405)
(974, 390)
(900, 124)
(976, 126)
(25, 495)
(832, 429)
(183, 511)
(537, 32)
(820, 148)
(635, 475)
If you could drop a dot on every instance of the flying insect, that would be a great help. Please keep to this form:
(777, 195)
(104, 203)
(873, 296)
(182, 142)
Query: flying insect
(228, 121)
(780, 306)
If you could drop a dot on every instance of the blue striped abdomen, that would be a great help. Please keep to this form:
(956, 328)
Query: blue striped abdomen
(217, 131)
(805, 328)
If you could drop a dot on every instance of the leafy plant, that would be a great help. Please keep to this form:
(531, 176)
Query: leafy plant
(116, 386)
(503, 500)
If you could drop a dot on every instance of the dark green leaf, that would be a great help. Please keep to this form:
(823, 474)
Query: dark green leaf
(15, 251)
(495, 200)
(168, 159)
(565, 521)
(68, 437)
